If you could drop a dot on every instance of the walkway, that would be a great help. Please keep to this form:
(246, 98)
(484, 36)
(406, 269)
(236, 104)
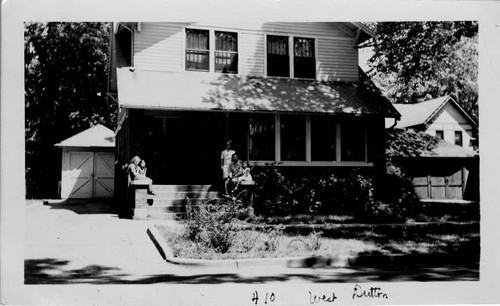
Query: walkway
(87, 243)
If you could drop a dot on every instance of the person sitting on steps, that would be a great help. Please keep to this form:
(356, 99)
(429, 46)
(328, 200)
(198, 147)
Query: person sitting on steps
(137, 172)
(235, 171)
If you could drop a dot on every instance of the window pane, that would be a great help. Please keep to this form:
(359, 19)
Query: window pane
(293, 137)
(440, 134)
(226, 56)
(197, 39)
(458, 138)
(197, 55)
(304, 61)
(197, 60)
(226, 41)
(261, 134)
(277, 56)
(323, 138)
(352, 144)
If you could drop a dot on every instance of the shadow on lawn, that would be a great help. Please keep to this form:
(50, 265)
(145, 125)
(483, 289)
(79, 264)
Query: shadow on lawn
(52, 271)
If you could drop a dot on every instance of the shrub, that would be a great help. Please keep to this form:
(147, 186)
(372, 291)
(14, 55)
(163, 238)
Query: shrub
(278, 194)
(212, 224)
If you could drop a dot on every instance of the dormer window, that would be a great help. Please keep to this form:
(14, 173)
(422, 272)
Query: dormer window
(278, 62)
(197, 50)
(304, 60)
(302, 64)
(202, 56)
(226, 52)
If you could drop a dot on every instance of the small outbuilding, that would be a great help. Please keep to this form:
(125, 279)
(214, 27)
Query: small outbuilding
(88, 162)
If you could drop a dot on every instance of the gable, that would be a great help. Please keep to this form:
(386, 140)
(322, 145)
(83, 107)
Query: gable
(449, 114)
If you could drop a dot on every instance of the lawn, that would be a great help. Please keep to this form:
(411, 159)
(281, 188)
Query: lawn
(279, 241)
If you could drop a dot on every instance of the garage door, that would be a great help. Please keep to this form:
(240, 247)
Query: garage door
(440, 187)
(87, 174)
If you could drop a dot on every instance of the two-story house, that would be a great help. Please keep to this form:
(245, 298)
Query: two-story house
(290, 93)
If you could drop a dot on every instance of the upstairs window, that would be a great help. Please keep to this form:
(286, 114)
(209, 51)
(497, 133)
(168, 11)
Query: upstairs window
(226, 52)
(304, 60)
(197, 50)
(278, 61)
(440, 134)
(458, 138)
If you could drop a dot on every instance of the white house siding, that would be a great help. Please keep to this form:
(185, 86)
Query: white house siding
(160, 46)
(450, 120)
(337, 60)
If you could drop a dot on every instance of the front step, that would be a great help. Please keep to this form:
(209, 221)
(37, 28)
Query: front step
(170, 201)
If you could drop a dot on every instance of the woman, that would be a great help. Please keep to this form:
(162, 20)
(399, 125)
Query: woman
(225, 159)
(234, 172)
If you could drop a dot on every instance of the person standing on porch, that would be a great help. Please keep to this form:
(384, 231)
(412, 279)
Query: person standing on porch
(225, 159)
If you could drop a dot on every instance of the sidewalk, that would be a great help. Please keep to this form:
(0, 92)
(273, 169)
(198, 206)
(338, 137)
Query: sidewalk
(86, 243)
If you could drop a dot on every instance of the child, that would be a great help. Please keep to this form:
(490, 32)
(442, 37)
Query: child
(246, 176)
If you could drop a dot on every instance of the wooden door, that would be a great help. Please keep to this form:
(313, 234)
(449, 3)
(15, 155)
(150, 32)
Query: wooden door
(103, 176)
(77, 180)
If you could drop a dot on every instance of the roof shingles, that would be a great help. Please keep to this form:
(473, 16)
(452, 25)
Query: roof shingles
(145, 89)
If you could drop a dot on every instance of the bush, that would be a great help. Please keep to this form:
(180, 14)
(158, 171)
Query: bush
(324, 193)
(212, 224)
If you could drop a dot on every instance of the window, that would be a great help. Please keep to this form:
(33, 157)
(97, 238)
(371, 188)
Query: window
(304, 61)
(226, 52)
(261, 137)
(458, 138)
(293, 138)
(278, 62)
(440, 134)
(323, 138)
(197, 50)
(353, 142)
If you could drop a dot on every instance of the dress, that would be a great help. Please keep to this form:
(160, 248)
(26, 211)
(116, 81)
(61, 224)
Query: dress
(225, 156)
(246, 175)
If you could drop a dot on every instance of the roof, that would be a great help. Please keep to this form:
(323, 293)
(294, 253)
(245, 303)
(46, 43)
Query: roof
(446, 149)
(96, 136)
(361, 32)
(424, 112)
(209, 91)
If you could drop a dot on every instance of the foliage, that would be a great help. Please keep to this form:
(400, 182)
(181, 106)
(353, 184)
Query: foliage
(278, 194)
(273, 238)
(416, 61)
(66, 67)
(212, 224)
(398, 191)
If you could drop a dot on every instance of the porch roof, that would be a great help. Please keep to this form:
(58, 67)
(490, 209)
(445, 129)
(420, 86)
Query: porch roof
(208, 91)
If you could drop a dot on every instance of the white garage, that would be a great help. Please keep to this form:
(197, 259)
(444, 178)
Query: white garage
(88, 161)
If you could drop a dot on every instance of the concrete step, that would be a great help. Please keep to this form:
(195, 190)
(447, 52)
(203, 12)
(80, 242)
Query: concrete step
(164, 209)
(184, 194)
(181, 188)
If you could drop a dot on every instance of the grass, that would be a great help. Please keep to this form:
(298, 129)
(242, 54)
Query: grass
(260, 243)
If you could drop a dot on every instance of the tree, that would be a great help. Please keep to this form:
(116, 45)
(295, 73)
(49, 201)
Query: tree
(417, 61)
(66, 67)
